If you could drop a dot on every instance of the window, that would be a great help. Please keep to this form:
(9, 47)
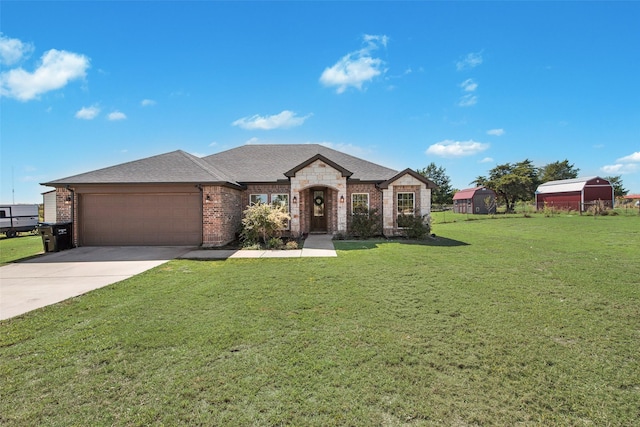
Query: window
(280, 199)
(406, 204)
(359, 203)
(3, 214)
(254, 199)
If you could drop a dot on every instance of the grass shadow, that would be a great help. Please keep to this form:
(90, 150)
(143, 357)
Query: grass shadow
(352, 245)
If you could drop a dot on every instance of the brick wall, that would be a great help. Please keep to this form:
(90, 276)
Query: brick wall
(375, 197)
(221, 215)
(66, 209)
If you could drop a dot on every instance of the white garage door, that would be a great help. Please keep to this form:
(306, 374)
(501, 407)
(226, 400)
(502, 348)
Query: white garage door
(140, 219)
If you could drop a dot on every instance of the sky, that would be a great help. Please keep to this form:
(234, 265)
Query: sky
(465, 85)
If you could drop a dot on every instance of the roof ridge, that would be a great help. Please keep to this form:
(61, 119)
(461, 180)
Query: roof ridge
(571, 180)
(211, 169)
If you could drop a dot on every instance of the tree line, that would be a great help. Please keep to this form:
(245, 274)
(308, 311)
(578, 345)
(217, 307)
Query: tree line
(512, 182)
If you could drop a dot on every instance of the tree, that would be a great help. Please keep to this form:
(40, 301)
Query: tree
(618, 189)
(443, 195)
(557, 170)
(512, 182)
(480, 181)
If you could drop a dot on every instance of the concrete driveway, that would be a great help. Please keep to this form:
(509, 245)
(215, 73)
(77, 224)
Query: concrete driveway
(55, 277)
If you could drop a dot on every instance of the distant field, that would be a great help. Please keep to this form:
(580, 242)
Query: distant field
(506, 321)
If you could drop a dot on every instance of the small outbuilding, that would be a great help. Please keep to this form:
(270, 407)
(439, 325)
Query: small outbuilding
(49, 203)
(576, 194)
(478, 200)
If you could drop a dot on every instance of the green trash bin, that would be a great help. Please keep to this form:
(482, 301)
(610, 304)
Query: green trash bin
(48, 239)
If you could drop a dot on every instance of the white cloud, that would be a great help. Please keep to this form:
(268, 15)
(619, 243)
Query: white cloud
(625, 165)
(451, 148)
(56, 69)
(147, 102)
(620, 168)
(487, 160)
(13, 50)
(631, 158)
(88, 113)
(471, 60)
(356, 68)
(213, 144)
(116, 115)
(469, 85)
(253, 140)
(468, 100)
(495, 132)
(284, 120)
(373, 40)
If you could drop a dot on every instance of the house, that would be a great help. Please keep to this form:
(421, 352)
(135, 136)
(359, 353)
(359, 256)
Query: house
(180, 199)
(478, 200)
(576, 194)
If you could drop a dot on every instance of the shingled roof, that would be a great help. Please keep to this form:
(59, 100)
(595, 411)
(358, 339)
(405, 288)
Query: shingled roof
(245, 164)
(268, 163)
(174, 167)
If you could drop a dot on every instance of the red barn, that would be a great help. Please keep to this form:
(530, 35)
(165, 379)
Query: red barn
(479, 200)
(574, 194)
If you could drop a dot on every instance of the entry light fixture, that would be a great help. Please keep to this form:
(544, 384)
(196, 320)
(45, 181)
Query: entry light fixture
(341, 199)
(67, 200)
(208, 198)
(295, 199)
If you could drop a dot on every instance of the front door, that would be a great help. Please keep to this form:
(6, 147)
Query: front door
(318, 217)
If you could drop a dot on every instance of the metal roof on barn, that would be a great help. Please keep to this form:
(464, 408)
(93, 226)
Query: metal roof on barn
(567, 185)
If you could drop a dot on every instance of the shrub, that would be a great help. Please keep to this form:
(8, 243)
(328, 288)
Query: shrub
(366, 223)
(275, 243)
(339, 236)
(598, 208)
(414, 227)
(291, 245)
(262, 222)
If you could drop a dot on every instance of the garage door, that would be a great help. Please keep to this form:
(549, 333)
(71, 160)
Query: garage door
(140, 219)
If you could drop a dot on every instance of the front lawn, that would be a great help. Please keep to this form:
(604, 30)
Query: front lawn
(514, 321)
(24, 246)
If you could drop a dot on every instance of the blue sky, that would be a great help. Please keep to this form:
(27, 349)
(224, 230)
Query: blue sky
(466, 85)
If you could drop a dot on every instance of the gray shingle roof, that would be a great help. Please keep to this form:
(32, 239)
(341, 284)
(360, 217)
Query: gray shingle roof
(268, 163)
(245, 164)
(174, 167)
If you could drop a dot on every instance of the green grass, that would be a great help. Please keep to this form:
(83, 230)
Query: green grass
(23, 246)
(518, 321)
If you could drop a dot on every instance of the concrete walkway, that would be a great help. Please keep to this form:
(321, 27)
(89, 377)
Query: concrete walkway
(315, 245)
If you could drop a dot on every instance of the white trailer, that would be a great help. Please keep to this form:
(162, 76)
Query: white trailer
(17, 218)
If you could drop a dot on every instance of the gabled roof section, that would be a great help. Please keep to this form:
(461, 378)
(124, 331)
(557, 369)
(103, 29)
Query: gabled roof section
(416, 175)
(468, 193)
(174, 167)
(566, 185)
(271, 162)
(292, 172)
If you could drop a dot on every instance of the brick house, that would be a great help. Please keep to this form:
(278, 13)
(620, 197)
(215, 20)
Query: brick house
(180, 199)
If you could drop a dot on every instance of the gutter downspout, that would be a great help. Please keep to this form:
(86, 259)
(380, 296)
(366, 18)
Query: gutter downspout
(73, 215)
